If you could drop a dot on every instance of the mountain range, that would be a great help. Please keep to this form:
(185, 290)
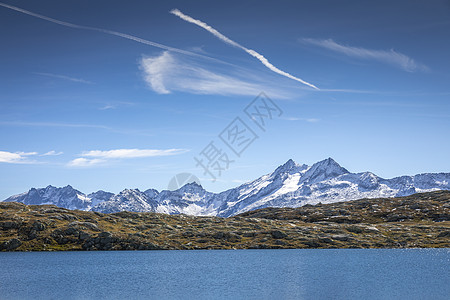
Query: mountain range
(290, 185)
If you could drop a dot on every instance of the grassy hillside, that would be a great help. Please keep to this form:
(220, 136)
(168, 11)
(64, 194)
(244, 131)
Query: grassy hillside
(420, 220)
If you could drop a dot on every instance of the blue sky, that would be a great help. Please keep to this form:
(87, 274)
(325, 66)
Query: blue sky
(97, 105)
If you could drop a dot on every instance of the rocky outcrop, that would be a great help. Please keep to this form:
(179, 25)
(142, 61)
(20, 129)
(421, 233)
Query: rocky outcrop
(10, 245)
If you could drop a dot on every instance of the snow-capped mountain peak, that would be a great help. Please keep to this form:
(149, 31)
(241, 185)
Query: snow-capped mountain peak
(323, 170)
(290, 185)
(191, 187)
(289, 167)
(128, 199)
(151, 193)
(99, 197)
(64, 197)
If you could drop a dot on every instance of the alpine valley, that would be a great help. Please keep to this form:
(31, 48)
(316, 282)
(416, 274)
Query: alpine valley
(290, 185)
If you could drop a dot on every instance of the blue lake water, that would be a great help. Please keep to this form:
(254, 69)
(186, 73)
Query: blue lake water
(228, 274)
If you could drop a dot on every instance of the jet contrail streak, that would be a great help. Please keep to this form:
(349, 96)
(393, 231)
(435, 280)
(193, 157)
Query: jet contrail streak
(225, 39)
(119, 34)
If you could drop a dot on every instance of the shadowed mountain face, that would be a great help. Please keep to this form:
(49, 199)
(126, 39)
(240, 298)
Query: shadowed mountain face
(290, 185)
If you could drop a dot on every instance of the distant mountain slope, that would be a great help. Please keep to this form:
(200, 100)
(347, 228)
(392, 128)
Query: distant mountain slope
(290, 185)
(66, 197)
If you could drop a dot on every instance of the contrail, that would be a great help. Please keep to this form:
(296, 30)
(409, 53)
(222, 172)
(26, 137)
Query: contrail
(64, 77)
(119, 34)
(253, 53)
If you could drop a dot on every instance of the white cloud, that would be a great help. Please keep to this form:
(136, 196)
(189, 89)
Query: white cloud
(107, 106)
(27, 153)
(156, 70)
(52, 153)
(8, 157)
(85, 162)
(24, 157)
(16, 157)
(166, 73)
(251, 52)
(386, 56)
(131, 153)
(98, 157)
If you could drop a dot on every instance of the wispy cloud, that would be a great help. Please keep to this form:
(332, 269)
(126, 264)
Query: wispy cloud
(85, 162)
(51, 124)
(96, 157)
(108, 106)
(251, 52)
(64, 77)
(52, 153)
(391, 57)
(142, 132)
(166, 73)
(310, 120)
(16, 157)
(116, 104)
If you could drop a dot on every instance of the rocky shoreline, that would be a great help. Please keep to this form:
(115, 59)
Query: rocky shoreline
(416, 221)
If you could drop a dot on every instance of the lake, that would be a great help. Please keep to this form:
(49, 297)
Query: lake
(227, 274)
